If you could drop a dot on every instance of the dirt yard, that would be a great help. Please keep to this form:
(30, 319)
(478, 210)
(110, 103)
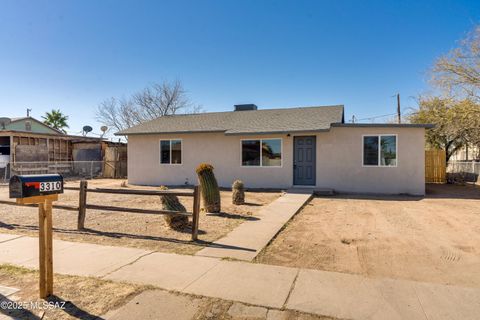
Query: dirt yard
(131, 229)
(90, 298)
(432, 239)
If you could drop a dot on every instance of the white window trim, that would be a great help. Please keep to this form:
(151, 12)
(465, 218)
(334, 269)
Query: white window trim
(160, 152)
(261, 158)
(379, 165)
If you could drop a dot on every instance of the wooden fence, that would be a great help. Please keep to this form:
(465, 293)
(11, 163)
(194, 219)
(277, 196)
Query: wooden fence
(83, 205)
(435, 166)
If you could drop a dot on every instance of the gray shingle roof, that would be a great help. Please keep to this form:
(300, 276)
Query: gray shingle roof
(384, 125)
(244, 122)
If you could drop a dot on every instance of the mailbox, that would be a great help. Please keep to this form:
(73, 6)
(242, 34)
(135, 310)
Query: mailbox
(35, 185)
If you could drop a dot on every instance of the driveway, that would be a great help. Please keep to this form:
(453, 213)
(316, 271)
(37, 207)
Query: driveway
(432, 239)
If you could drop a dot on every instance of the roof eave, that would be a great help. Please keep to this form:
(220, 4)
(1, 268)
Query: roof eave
(54, 135)
(384, 125)
(122, 133)
(246, 133)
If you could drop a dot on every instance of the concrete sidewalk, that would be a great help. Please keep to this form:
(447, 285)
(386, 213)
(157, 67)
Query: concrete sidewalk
(325, 293)
(247, 240)
(75, 258)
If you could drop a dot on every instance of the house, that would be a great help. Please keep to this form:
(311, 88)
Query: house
(27, 139)
(468, 152)
(279, 148)
(28, 146)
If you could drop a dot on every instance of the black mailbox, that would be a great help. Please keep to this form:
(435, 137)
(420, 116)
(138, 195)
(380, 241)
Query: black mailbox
(35, 185)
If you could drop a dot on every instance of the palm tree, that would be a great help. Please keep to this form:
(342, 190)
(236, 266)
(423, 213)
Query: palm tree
(56, 119)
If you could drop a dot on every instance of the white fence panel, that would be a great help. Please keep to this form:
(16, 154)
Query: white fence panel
(468, 171)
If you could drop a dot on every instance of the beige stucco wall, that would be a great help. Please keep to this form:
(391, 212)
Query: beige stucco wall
(223, 152)
(339, 161)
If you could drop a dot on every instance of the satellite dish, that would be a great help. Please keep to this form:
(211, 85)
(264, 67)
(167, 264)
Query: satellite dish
(104, 130)
(86, 129)
(4, 122)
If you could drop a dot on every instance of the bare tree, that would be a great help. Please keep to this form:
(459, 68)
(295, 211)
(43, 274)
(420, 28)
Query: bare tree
(150, 103)
(458, 72)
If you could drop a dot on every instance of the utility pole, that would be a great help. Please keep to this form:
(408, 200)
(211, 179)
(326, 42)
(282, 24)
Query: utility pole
(399, 115)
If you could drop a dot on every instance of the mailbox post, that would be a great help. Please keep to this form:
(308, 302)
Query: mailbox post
(41, 190)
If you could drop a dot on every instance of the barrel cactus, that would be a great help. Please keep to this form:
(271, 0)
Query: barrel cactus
(238, 192)
(171, 202)
(209, 186)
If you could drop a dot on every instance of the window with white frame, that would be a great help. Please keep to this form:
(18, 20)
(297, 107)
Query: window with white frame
(171, 151)
(262, 153)
(380, 150)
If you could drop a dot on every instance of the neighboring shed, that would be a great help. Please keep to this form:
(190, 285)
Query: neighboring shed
(29, 146)
(115, 160)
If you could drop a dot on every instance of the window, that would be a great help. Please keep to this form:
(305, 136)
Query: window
(388, 147)
(272, 153)
(380, 150)
(251, 153)
(262, 153)
(171, 151)
(176, 149)
(4, 150)
(370, 151)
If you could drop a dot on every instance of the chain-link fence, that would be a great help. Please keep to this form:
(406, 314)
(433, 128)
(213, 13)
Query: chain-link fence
(463, 171)
(68, 169)
(4, 171)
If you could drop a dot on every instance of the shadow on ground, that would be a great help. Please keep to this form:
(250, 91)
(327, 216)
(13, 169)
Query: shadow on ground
(72, 309)
(433, 191)
(16, 313)
(88, 231)
(233, 216)
(453, 191)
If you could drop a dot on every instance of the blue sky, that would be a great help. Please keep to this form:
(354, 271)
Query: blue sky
(74, 54)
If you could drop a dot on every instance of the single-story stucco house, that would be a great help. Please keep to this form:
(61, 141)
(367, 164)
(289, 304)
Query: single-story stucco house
(279, 148)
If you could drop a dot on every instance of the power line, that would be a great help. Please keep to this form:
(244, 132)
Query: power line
(375, 117)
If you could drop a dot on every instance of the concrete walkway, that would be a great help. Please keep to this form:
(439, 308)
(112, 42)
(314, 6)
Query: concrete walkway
(247, 240)
(325, 293)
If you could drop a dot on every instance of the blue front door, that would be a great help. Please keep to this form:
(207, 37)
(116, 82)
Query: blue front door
(304, 160)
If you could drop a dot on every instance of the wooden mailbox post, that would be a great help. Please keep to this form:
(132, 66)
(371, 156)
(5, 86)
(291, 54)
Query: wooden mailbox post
(41, 190)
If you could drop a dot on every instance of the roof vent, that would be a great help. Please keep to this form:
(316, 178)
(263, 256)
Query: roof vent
(28, 125)
(245, 107)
